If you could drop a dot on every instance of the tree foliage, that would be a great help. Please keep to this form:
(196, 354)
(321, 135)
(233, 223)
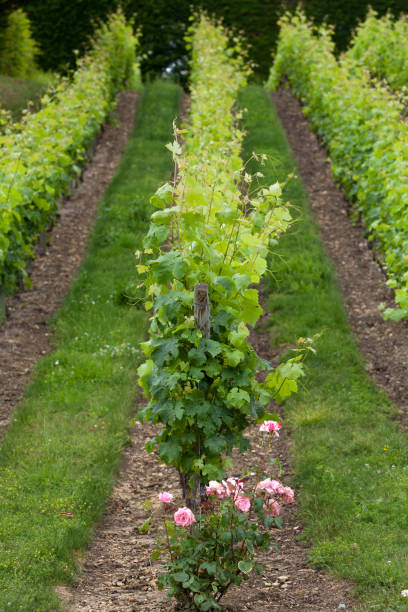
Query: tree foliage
(18, 49)
(62, 27)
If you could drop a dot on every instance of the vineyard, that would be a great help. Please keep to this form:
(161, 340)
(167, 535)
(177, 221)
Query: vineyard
(203, 321)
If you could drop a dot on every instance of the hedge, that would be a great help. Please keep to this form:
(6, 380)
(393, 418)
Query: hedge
(61, 27)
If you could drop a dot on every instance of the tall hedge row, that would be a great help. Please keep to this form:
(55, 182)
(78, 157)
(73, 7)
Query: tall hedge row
(62, 27)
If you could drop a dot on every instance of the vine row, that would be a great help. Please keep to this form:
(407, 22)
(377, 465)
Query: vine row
(360, 121)
(41, 157)
(202, 387)
(380, 46)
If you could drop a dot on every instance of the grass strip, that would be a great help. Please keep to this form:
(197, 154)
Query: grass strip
(62, 451)
(350, 457)
(16, 94)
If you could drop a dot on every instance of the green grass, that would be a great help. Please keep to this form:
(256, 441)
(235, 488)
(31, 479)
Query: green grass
(350, 456)
(62, 451)
(16, 94)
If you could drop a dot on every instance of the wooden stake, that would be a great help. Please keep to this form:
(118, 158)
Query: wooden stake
(42, 243)
(202, 309)
(2, 305)
(202, 321)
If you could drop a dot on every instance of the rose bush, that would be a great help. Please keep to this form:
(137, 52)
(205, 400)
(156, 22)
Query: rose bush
(215, 548)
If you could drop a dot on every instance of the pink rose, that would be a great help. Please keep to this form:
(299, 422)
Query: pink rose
(243, 503)
(271, 486)
(165, 497)
(288, 495)
(272, 507)
(271, 426)
(215, 488)
(233, 486)
(184, 517)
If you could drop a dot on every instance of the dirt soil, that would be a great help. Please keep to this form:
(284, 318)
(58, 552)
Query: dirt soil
(24, 338)
(361, 279)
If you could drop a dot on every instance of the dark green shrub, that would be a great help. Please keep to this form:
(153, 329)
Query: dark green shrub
(18, 49)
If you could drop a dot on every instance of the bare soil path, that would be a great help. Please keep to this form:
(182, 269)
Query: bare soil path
(24, 338)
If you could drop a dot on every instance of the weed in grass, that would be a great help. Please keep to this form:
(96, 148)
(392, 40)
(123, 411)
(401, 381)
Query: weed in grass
(62, 451)
(350, 458)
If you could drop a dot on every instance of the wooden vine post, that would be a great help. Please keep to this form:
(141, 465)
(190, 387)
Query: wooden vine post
(202, 322)
(2, 305)
(194, 493)
(202, 309)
